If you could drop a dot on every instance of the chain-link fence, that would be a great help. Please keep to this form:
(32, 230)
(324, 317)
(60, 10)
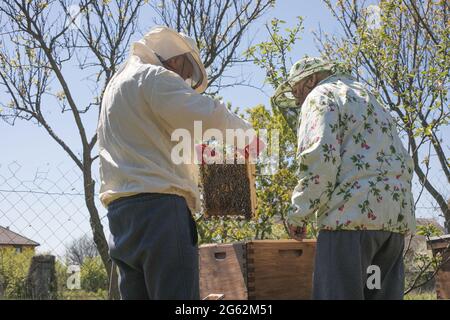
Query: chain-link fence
(43, 211)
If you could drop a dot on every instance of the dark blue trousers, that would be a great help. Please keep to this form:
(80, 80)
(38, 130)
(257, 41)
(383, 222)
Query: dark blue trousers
(153, 242)
(349, 263)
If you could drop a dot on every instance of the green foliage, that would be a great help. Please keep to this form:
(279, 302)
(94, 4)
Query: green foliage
(403, 66)
(94, 281)
(273, 191)
(85, 295)
(61, 278)
(421, 296)
(420, 270)
(272, 55)
(420, 264)
(13, 272)
(428, 230)
(14, 269)
(405, 60)
(227, 230)
(93, 275)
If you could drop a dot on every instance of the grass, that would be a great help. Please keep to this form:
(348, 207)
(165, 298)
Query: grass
(421, 296)
(84, 295)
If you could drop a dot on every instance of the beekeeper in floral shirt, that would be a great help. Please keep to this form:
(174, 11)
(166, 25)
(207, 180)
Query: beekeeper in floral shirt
(354, 180)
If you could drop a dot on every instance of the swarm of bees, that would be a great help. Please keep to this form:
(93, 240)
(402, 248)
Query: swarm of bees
(227, 189)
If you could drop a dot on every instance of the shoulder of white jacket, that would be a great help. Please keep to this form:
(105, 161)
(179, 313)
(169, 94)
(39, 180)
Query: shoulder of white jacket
(151, 70)
(152, 74)
(169, 79)
(137, 70)
(157, 74)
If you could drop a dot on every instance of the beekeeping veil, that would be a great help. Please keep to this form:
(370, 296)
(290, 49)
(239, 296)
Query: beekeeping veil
(166, 43)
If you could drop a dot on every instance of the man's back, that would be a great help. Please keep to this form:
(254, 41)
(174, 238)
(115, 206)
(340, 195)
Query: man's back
(135, 144)
(344, 130)
(142, 106)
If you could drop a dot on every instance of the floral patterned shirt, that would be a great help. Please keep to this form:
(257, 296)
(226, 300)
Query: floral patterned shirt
(354, 172)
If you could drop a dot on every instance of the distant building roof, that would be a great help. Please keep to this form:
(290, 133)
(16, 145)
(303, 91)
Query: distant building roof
(443, 238)
(432, 221)
(418, 243)
(8, 237)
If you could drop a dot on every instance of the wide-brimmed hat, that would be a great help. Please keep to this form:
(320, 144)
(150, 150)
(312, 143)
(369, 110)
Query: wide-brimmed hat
(284, 100)
(167, 43)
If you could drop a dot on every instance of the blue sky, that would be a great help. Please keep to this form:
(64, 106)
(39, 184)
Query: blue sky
(52, 219)
(28, 141)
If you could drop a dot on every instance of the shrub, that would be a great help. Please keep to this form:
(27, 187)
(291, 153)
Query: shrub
(93, 275)
(13, 272)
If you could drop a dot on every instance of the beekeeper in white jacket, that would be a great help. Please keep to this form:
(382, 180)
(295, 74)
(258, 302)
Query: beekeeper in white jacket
(150, 198)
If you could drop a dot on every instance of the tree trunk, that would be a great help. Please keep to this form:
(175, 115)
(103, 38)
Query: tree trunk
(443, 203)
(97, 230)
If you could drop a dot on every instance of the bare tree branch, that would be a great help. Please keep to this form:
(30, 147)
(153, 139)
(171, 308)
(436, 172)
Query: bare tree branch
(218, 26)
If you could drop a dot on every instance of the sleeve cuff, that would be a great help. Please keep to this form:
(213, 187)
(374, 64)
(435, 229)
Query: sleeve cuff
(296, 219)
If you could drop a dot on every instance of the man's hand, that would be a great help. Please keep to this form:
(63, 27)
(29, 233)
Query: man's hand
(254, 149)
(204, 152)
(297, 232)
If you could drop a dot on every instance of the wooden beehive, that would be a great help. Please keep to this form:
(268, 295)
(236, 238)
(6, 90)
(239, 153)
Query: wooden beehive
(441, 245)
(280, 269)
(228, 189)
(223, 271)
(257, 270)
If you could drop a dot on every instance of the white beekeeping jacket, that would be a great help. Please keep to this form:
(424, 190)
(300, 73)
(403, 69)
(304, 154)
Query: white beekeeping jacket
(142, 105)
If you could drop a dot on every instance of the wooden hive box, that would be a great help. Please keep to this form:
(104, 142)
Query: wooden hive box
(223, 271)
(280, 269)
(441, 245)
(228, 189)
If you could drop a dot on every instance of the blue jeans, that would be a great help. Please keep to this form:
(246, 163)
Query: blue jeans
(153, 242)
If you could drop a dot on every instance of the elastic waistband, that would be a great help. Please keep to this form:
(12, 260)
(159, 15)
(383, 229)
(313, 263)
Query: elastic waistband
(146, 196)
